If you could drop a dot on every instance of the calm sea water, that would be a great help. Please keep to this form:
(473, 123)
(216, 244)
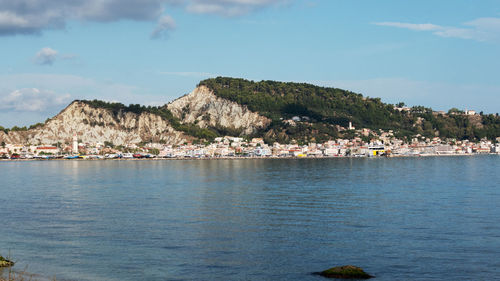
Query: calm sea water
(434, 218)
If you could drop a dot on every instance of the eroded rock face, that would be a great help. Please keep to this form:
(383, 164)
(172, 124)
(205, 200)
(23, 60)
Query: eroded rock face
(92, 125)
(98, 125)
(205, 109)
(13, 137)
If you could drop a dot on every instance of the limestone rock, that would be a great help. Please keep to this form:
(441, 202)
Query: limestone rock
(204, 108)
(94, 125)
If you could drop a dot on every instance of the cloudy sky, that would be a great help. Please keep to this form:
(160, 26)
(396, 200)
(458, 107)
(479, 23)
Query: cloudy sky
(440, 54)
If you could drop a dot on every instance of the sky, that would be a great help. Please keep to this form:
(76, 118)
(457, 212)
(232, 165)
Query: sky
(439, 54)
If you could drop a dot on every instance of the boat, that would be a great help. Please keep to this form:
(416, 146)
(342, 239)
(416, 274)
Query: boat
(72, 156)
(113, 156)
(128, 155)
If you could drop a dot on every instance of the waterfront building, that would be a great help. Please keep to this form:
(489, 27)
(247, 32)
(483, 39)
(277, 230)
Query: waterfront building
(49, 150)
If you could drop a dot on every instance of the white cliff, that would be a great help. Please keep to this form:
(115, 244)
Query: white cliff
(203, 108)
(95, 125)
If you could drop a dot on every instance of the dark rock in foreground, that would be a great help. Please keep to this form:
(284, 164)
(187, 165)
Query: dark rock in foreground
(345, 272)
(5, 262)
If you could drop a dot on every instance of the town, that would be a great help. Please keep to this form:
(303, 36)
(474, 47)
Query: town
(382, 143)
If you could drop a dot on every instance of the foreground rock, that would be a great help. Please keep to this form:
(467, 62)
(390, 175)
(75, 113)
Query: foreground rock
(346, 272)
(5, 262)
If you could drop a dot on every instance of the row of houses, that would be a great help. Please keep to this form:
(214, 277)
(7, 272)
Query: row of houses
(383, 144)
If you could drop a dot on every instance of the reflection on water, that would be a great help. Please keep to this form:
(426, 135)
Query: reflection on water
(400, 219)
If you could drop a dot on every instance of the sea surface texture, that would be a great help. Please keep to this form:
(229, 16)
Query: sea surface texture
(429, 218)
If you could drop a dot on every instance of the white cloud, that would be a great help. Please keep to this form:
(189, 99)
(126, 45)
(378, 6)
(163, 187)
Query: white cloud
(69, 56)
(165, 25)
(46, 56)
(79, 87)
(485, 23)
(229, 7)
(481, 29)
(34, 16)
(33, 99)
(411, 26)
(9, 18)
(29, 98)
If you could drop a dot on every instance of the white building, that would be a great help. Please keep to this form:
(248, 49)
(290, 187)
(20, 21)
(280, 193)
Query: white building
(496, 148)
(331, 151)
(262, 151)
(75, 144)
(53, 150)
(470, 112)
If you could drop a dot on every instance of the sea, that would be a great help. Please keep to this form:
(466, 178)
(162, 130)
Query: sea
(418, 218)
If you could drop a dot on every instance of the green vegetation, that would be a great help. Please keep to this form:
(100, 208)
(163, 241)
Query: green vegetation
(13, 129)
(324, 108)
(20, 129)
(346, 272)
(154, 151)
(11, 275)
(328, 105)
(109, 144)
(5, 262)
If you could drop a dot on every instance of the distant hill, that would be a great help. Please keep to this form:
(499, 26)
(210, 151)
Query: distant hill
(275, 111)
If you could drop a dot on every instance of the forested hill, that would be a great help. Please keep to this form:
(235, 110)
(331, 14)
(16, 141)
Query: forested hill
(327, 107)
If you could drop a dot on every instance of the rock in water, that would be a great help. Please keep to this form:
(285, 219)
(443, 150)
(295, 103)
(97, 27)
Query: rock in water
(5, 262)
(346, 272)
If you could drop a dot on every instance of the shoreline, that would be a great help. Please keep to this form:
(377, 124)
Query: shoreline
(251, 158)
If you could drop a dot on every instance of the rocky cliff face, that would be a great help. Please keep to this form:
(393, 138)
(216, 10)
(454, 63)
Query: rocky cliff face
(98, 125)
(205, 109)
(13, 137)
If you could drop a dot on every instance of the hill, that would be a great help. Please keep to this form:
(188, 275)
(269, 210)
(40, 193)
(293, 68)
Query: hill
(97, 121)
(328, 108)
(275, 111)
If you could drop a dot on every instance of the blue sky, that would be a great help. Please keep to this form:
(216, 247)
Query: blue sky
(440, 54)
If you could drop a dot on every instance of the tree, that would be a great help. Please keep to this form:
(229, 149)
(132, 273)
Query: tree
(455, 110)
(109, 144)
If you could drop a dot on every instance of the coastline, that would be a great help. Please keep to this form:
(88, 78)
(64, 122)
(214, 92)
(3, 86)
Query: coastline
(250, 158)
